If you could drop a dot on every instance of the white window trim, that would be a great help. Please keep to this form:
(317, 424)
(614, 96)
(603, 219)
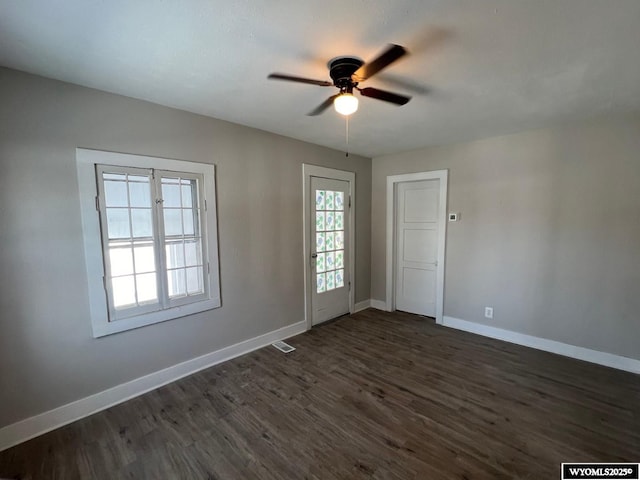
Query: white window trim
(86, 161)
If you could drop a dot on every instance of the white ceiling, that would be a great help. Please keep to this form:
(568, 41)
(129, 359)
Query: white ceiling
(489, 66)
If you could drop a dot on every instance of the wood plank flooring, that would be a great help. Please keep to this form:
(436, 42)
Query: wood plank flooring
(374, 395)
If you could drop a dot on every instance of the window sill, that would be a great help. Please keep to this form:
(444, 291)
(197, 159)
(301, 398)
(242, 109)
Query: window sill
(102, 329)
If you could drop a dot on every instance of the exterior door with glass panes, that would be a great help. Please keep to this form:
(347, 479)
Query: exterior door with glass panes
(329, 248)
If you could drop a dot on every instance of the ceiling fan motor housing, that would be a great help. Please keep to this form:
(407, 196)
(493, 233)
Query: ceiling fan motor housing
(341, 69)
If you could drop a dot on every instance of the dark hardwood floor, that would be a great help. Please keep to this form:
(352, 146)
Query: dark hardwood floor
(368, 396)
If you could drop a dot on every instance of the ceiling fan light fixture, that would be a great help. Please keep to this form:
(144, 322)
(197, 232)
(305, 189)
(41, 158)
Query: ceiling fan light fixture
(345, 104)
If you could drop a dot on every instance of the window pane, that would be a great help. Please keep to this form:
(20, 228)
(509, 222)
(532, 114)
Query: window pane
(338, 200)
(123, 291)
(319, 221)
(319, 199)
(147, 289)
(339, 221)
(120, 261)
(139, 193)
(170, 194)
(339, 278)
(175, 254)
(144, 258)
(141, 222)
(328, 202)
(118, 222)
(320, 263)
(194, 280)
(176, 283)
(188, 192)
(187, 217)
(114, 176)
(192, 253)
(172, 222)
(115, 193)
(320, 283)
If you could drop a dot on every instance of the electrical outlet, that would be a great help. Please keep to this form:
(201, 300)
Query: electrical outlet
(488, 312)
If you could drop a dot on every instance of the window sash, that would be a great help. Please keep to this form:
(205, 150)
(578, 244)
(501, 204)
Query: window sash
(158, 238)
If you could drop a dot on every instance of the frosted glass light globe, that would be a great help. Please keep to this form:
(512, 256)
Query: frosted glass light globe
(345, 104)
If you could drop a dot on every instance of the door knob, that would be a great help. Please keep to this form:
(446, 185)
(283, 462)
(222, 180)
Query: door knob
(314, 255)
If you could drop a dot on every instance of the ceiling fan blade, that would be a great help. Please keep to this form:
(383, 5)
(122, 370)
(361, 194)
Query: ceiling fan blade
(291, 78)
(384, 95)
(323, 106)
(386, 58)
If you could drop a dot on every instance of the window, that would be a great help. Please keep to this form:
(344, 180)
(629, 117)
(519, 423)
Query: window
(157, 238)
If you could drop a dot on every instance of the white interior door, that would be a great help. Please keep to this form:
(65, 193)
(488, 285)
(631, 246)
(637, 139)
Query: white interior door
(329, 248)
(417, 229)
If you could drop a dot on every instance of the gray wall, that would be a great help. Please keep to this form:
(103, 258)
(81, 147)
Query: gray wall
(549, 232)
(48, 356)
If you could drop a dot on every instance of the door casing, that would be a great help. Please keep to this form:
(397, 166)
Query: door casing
(392, 182)
(309, 171)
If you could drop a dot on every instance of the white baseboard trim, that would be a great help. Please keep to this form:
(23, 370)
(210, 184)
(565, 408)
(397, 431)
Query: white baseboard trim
(378, 304)
(45, 422)
(580, 353)
(362, 306)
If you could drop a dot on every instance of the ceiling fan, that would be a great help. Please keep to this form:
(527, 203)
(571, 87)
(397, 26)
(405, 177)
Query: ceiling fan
(347, 73)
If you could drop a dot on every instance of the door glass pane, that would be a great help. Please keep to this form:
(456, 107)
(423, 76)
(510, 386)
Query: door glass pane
(339, 259)
(320, 285)
(328, 241)
(339, 278)
(320, 246)
(146, 287)
(328, 202)
(339, 220)
(330, 221)
(319, 199)
(331, 280)
(338, 240)
(319, 221)
(330, 261)
(320, 263)
(141, 222)
(338, 200)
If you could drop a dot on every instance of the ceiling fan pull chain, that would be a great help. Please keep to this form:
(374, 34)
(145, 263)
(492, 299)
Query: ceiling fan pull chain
(347, 123)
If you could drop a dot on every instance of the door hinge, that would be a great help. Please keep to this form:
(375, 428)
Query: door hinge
(208, 268)
(349, 285)
(349, 201)
(205, 204)
(153, 174)
(97, 203)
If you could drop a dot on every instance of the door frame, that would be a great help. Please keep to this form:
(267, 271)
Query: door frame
(309, 171)
(392, 184)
